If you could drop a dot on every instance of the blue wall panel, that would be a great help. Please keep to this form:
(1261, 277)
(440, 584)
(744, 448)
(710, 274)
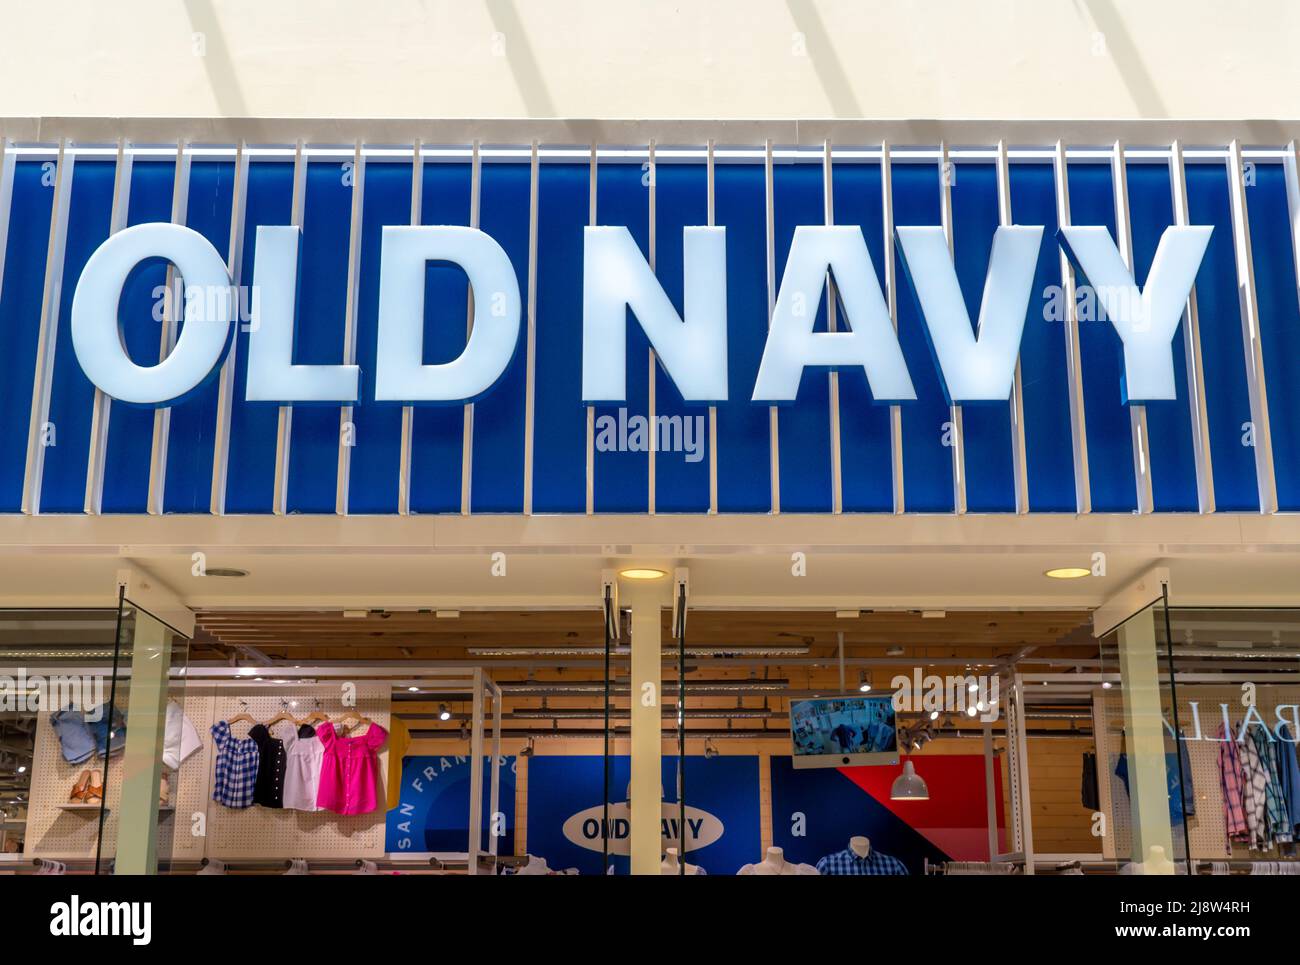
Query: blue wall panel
(438, 431)
(744, 449)
(1169, 424)
(1279, 323)
(804, 427)
(1227, 399)
(250, 467)
(622, 479)
(559, 417)
(681, 200)
(1044, 376)
(376, 456)
(986, 429)
(866, 466)
(72, 397)
(1110, 438)
(498, 451)
(130, 428)
(927, 462)
(21, 291)
(319, 333)
(192, 433)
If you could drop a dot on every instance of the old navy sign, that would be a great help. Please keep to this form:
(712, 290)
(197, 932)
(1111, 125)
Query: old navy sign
(975, 361)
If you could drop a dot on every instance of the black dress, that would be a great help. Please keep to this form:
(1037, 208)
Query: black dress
(268, 790)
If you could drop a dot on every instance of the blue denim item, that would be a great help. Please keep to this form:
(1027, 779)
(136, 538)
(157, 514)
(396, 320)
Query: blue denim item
(75, 738)
(100, 730)
(81, 739)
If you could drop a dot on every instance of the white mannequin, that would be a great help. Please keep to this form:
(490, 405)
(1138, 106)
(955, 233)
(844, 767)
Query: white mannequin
(860, 846)
(672, 866)
(535, 866)
(1157, 862)
(774, 863)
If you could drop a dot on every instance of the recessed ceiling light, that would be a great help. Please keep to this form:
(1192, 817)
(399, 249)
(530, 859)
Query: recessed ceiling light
(225, 571)
(1068, 572)
(642, 573)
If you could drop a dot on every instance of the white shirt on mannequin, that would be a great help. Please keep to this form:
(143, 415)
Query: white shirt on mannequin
(774, 863)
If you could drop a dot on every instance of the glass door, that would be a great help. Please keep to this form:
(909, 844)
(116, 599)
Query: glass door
(153, 739)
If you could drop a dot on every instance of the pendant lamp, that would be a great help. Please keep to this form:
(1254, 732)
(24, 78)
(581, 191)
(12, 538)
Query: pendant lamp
(909, 786)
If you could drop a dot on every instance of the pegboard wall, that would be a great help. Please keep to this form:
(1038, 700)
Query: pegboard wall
(1207, 829)
(197, 826)
(52, 831)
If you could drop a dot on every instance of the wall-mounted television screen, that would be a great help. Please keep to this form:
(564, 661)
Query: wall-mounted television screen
(843, 731)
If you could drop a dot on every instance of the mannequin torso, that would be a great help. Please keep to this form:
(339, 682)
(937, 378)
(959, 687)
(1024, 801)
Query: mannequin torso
(774, 863)
(672, 866)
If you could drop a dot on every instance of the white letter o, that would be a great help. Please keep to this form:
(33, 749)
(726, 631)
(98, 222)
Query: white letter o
(97, 338)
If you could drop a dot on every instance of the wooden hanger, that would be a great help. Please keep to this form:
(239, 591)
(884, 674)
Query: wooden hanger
(243, 715)
(317, 716)
(282, 715)
(353, 716)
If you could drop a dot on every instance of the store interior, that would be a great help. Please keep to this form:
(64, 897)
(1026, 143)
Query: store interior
(1012, 752)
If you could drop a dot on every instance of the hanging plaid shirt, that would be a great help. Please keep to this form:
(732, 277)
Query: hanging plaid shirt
(236, 767)
(847, 862)
(1279, 823)
(1254, 786)
(1234, 811)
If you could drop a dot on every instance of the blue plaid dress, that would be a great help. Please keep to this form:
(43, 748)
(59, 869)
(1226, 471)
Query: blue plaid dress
(237, 759)
(846, 862)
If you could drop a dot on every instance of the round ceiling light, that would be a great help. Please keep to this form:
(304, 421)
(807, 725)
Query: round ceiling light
(1068, 572)
(642, 573)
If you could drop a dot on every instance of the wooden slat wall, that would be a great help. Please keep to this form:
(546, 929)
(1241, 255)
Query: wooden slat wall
(1061, 824)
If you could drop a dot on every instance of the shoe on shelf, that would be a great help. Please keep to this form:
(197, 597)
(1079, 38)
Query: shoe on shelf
(96, 788)
(78, 795)
(164, 791)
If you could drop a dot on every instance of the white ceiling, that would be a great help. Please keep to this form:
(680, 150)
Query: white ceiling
(971, 579)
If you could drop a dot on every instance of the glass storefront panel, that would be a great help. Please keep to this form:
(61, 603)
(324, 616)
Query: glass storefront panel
(59, 736)
(1238, 699)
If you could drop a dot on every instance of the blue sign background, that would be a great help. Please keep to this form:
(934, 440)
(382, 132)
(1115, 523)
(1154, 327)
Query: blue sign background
(743, 437)
(725, 787)
(433, 811)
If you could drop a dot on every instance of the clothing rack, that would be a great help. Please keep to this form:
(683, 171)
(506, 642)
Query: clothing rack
(54, 866)
(384, 863)
(1244, 866)
(423, 862)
